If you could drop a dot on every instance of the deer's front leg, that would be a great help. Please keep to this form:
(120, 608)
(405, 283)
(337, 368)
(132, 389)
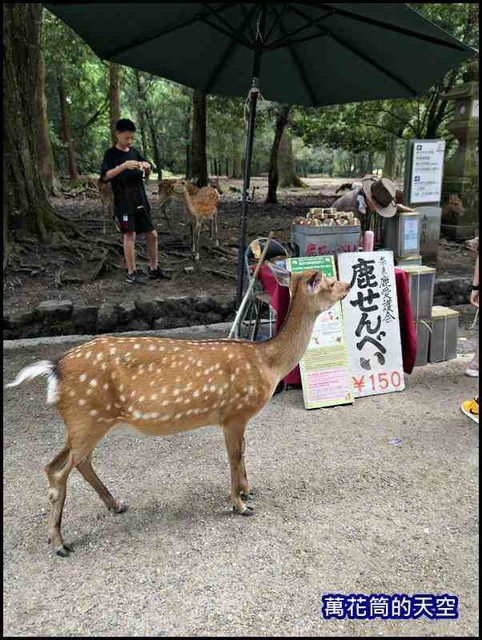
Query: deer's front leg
(195, 239)
(234, 439)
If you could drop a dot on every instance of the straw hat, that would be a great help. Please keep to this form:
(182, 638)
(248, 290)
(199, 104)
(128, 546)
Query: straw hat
(381, 192)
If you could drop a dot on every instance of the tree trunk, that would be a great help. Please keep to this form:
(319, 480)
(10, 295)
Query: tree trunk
(114, 101)
(286, 167)
(390, 164)
(141, 113)
(199, 168)
(65, 126)
(155, 145)
(45, 154)
(188, 92)
(25, 201)
(273, 174)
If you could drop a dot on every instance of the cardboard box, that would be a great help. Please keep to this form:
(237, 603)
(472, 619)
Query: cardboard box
(443, 340)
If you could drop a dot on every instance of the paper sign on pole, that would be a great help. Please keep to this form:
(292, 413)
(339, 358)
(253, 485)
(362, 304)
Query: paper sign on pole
(425, 162)
(370, 311)
(324, 369)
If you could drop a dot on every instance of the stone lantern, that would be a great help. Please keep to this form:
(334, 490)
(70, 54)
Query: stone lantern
(460, 186)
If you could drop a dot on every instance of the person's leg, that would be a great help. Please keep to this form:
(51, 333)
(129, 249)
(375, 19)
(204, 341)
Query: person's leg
(473, 367)
(152, 249)
(130, 250)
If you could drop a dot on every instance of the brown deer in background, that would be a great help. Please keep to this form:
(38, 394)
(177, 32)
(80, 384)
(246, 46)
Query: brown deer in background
(161, 386)
(107, 200)
(200, 207)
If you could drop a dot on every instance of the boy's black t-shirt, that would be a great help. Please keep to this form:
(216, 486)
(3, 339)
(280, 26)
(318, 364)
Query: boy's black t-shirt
(128, 186)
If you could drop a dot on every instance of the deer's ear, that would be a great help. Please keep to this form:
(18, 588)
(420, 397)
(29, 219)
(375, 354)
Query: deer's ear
(315, 282)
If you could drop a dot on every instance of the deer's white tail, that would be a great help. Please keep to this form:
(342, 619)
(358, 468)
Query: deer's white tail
(41, 368)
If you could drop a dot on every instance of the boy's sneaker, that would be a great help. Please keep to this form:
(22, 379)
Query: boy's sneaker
(133, 278)
(472, 371)
(157, 274)
(471, 409)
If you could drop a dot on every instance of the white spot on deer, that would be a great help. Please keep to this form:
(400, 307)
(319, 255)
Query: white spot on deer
(107, 406)
(83, 377)
(176, 392)
(79, 354)
(163, 389)
(230, 356)
(212, 388)
(99, 356)
(164, 403)
(105, 386)
(166, 416)
(93, 412)
(224, 349)
(121, 387)
(117, 360)
(137, 346)
(127, 355)
(178, 415)
(103, 366)
(250, 390)
(134, 377)
(196, 393)
(152, 347)
(89, 392)
(122, 398)
(81, 402)
(88, 354)
(112, 351)
(137, 414)
(154, 396)
(93, 382)
(141, 398)
(71, 393)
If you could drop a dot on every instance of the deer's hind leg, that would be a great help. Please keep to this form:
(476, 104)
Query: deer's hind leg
(81, 440)
(234, 439)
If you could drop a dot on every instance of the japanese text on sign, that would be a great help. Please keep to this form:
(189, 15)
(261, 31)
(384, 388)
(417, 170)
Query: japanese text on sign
(426, 170)
(371, 322)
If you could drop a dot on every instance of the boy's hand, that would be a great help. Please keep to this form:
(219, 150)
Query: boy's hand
(132, 164)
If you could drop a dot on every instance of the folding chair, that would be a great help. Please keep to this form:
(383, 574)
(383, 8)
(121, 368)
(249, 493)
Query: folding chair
(259, 300)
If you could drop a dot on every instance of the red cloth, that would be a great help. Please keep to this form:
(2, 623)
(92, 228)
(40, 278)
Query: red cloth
(280, 298)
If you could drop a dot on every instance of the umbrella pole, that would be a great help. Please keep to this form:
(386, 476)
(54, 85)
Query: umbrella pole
(253, 99)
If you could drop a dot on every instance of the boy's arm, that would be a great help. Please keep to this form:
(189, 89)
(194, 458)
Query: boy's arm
(107, 174)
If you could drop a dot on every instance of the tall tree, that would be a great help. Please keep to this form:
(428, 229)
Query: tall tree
(114, 99)
(45, 154)
(65, 126)
(286, 165)
(281, 120)
(25, 201)
(199, 169)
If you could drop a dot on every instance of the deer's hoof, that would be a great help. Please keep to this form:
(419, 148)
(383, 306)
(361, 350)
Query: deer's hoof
(121, 507)
(63, 549)
(248, 511)
(246, 497)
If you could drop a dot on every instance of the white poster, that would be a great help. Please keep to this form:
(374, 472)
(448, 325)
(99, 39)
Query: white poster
(372, 329)
(427, 171)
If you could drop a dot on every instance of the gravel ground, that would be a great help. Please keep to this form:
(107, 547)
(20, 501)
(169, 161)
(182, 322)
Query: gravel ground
(339, 509)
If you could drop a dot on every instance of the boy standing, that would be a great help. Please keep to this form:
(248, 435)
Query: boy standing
(124, 166)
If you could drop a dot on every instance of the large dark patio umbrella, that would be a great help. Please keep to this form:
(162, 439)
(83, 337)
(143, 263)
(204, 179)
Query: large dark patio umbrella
(305, 53)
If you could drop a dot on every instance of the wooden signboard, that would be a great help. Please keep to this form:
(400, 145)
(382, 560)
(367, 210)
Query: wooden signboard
(372, 327)
(324, 369)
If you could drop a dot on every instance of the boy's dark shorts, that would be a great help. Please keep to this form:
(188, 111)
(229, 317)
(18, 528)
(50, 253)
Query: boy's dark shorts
(140, 221)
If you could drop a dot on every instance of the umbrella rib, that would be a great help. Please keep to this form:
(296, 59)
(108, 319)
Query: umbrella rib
(230, 32)
(227, 53)
(247, 16)
(298, 64)
(280, 42)
(389, 27)
(363, 56)
(278, 18)
(167, 31)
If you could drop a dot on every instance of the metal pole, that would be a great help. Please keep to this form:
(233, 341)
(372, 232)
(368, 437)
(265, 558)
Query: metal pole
(253, 98)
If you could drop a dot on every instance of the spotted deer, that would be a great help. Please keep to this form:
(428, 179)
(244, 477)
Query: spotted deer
(107, 200)
(200, 207)
(162, 386)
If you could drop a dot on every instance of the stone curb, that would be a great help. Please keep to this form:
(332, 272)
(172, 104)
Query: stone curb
(220, 330)
(63, 319)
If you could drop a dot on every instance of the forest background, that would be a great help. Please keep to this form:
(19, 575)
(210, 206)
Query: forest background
(61, 102)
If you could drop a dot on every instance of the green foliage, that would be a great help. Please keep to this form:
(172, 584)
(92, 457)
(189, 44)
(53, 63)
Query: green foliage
(325, 140)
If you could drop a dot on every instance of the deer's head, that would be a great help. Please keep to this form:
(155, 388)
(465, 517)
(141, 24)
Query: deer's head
(319, 293)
